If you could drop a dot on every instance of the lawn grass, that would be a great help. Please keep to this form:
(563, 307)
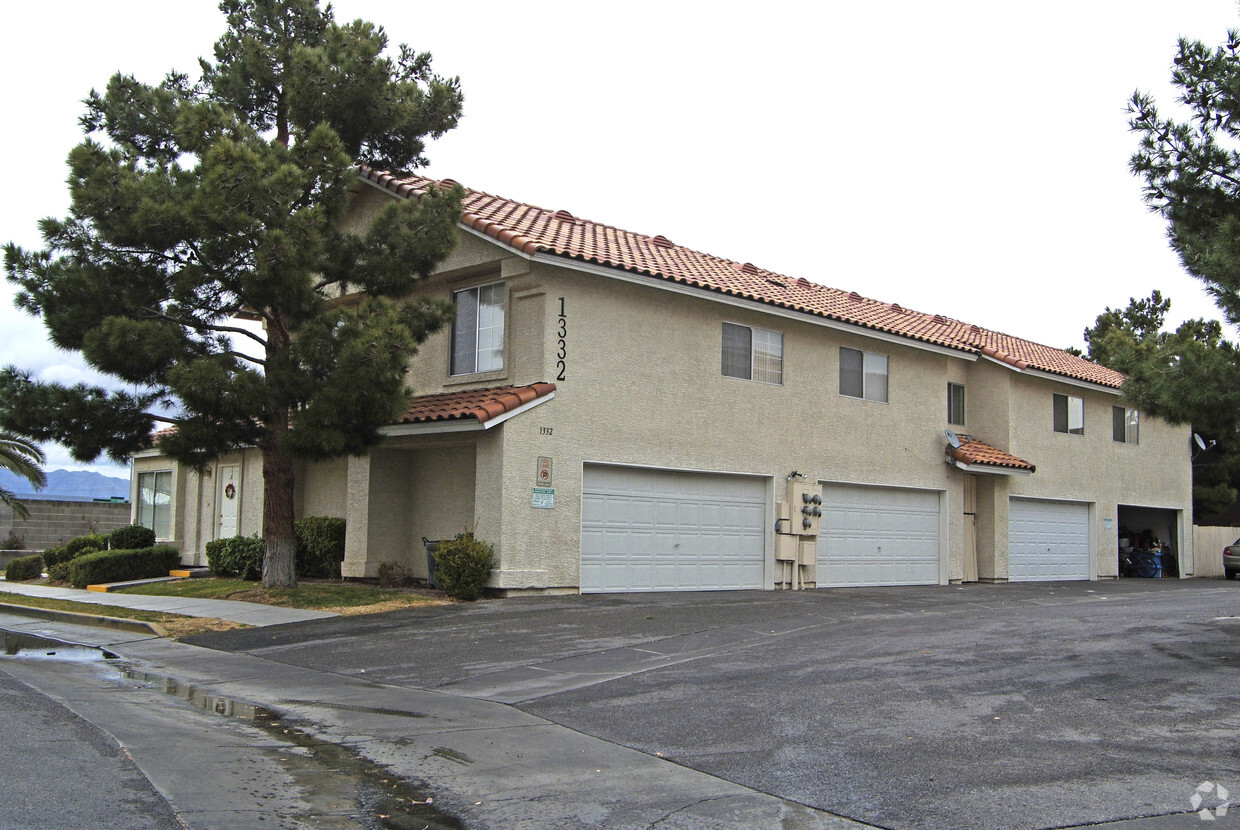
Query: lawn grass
(320, 595)
(176, 625)
(336, 597)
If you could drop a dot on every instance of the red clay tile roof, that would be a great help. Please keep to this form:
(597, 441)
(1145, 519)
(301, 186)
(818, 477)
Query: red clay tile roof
(533, 230)
(972, 451)
(482, 404)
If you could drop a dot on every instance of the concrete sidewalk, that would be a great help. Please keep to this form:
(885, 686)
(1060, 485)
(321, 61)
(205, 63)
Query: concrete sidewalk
(249, 613)
(491, 765)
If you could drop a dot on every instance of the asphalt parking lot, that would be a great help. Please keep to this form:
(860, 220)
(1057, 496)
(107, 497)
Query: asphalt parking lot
(987, 706)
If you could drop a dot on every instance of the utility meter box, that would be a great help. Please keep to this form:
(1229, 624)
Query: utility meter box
(787, 547)
(805, 506)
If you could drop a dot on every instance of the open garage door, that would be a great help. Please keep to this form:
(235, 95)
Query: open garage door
(663, 530)
(878, 536)
(1047, 540)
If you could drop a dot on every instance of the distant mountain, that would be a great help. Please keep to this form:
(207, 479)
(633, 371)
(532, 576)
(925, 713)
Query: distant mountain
(69, 485)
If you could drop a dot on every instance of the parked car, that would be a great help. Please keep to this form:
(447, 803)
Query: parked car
(1231, 559)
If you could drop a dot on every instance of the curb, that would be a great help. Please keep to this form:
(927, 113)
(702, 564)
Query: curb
(96, 620)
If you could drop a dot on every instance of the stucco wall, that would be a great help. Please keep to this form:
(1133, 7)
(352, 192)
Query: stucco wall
(1096, 469)
(322, 488)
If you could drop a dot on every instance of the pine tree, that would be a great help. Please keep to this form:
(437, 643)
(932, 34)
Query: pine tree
(1191, 173)
(1187, 376)
(196, 205)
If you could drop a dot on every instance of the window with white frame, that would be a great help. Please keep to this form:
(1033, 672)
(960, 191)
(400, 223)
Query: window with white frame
(863, 375)
(753, 354)
(478, 331)
(1125, 424)
(1069, 414)
(955, 404)
(154, 507)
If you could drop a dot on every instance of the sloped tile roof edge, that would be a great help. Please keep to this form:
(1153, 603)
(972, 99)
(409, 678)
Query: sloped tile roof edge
(531, 230)
(482, 405)
(976, 453)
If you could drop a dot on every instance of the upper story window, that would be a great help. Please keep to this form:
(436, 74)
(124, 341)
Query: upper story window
(1069, 414)
(863, 375)
(1125, 424)
(478, 332)
(753, 354)
(154, 507)
(955, 404)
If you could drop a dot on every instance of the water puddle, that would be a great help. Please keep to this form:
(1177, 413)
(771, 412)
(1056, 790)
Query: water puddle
(25, 646)
(326, 771)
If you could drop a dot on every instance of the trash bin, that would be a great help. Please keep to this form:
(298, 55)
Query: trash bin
(432, 569)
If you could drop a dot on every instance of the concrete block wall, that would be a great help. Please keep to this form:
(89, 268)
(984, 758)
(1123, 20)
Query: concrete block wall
(53, 522)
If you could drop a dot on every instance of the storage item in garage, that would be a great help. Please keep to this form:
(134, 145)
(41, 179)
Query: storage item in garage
(1147, 563)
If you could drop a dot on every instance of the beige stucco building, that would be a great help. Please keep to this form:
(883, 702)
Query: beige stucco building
(614, 412)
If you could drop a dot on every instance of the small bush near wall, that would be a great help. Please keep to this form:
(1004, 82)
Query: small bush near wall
(463, 565)
(27, 567)
(54, 556)
(133, 537)
(119, 565)
(13, 542)
(394, 575)
(240, 556)
(93, 541)
(57, 560)
(320, 546)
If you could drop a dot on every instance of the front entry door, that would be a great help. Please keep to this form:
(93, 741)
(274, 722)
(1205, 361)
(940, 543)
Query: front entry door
(970, 529)
(229, 499)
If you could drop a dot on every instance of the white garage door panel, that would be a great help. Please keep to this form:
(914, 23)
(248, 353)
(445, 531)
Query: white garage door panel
(1047, 540)
(878, 536)
(656, 530)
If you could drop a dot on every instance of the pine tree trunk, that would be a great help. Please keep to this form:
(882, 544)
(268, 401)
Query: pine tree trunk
(280, 560)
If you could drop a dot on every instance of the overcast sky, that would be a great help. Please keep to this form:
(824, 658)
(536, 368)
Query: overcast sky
(962, 158)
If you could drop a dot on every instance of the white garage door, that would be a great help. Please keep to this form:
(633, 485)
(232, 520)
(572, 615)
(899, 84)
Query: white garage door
(658, 530)
(878, 536)
(1047, 540)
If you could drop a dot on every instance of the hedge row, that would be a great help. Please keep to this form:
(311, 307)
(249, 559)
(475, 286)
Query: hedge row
(239, 556)
(120, 565)
(27, 567)
(319, 543)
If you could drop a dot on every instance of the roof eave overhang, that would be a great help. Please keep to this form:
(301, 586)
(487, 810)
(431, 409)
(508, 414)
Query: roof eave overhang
(987, 469)
(1057, 378)
(462, 424)
(740, 302)
(640, 278)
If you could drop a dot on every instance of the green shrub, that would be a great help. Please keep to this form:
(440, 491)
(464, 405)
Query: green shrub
(54, 556)
(120, 565)
(91, 540)
(463, 565)
(13, 542)
(27, 567)
(133, 537)
(394, 575)
(320, 546)
(57, 560)
(240, 556)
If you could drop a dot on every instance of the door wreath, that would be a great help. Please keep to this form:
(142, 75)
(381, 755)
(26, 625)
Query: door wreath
(230, 491)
